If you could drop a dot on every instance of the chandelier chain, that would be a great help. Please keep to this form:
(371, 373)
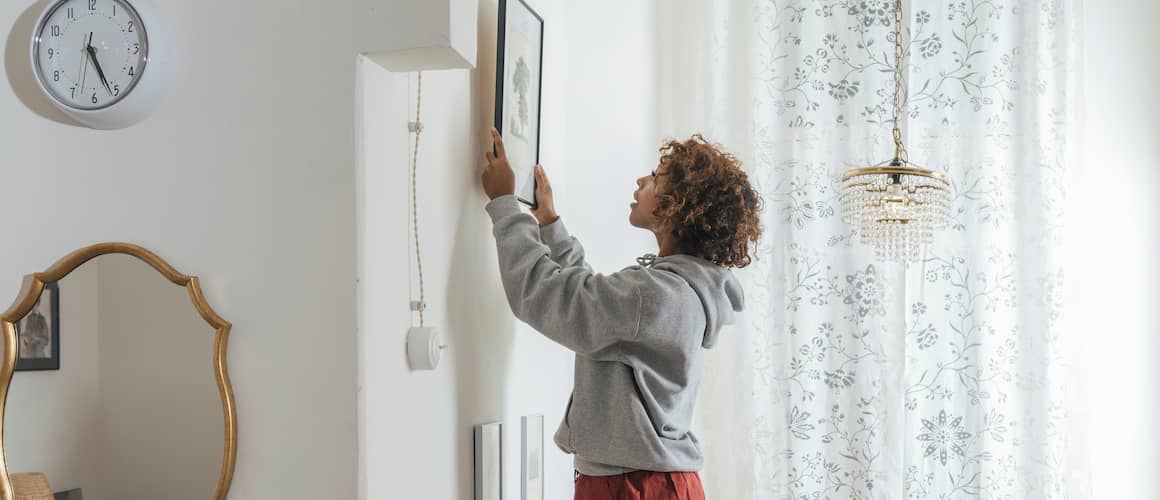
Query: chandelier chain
(895, 206)
(899, 150)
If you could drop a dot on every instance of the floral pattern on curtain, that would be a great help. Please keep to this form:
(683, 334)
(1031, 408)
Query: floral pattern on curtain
(943, 379)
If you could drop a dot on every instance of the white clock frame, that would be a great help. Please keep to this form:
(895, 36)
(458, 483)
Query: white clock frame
(143, 98)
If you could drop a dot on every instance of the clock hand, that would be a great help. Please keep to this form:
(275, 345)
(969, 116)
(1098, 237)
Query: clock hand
(97, 64)
(84, 63)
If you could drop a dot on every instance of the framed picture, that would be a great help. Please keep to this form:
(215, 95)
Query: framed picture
(519, 82)
(532, 484)
(489, 461)
(38, 333)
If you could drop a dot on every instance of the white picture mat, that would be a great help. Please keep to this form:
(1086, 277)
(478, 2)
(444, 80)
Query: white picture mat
(533, 457)
(488, 461)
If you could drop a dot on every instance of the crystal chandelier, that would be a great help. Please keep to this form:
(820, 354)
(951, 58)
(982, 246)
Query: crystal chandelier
(895, 204)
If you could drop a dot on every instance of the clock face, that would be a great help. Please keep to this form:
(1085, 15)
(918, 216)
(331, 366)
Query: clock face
(90, 53)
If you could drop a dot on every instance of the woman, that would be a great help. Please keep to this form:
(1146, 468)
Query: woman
(638, 334)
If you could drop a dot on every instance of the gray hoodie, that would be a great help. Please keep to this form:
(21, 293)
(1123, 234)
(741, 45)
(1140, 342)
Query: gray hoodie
(638, 336)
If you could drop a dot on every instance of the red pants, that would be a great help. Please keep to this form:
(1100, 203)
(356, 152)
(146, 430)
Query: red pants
(641, 485)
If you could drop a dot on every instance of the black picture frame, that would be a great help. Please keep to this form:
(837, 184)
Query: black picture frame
(518, 11)
(32, 321)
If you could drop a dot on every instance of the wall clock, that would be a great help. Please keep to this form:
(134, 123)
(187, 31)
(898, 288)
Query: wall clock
(106, 63)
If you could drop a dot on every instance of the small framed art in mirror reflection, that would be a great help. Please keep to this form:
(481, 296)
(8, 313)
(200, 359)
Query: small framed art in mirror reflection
(38, 332)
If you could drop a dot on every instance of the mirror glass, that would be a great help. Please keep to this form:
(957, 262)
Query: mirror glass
(115, 393)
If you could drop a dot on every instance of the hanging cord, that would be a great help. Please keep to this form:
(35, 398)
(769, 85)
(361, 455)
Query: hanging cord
(900, 153)
(417, 127)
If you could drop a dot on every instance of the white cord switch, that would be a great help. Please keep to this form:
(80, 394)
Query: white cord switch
(424, 348)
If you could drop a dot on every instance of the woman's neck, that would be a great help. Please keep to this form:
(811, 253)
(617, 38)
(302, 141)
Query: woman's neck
(667, 244)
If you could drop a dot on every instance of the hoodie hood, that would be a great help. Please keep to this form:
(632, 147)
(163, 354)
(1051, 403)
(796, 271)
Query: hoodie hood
(720, 291)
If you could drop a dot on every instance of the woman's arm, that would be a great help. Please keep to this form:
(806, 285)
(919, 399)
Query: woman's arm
(566, 250)
(590, 314)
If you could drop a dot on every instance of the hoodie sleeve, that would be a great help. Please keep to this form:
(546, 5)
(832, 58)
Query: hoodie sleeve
(565, 249)
(586, 312)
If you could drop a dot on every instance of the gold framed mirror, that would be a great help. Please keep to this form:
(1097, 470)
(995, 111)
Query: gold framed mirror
(167, 397)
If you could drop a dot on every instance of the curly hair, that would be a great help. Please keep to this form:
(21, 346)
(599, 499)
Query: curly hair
(707, 202)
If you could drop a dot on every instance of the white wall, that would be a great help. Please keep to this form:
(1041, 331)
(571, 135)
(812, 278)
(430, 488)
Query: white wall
(613, 135)
(159, 430)
(51, 414)
(1117, 275)
(245, 177)
(416, 427)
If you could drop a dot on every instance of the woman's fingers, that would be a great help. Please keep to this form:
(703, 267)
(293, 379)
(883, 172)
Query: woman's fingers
(542, 178)
(490, 157)
(495, 137)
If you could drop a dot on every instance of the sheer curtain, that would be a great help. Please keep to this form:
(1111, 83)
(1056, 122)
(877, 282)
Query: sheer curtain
(851, 378)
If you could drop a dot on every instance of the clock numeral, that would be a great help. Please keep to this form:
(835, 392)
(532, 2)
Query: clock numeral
(131, 71)
(92, 4)
(56, 76)
(130, 26)
(74, 92)
(71, 13)
(116, 90)
(114, 10)
(94, 98)
(136, 48)
(56, 30)
(51, 52)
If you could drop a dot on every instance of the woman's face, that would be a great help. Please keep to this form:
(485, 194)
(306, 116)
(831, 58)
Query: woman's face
(648, 188)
